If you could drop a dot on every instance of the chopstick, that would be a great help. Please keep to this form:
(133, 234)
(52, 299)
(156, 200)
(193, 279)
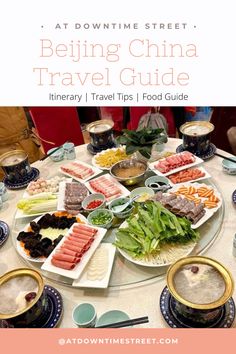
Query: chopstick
(127, 323)
(224, 157)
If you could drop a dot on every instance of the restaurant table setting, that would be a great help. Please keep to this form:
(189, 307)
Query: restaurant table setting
(120, 233)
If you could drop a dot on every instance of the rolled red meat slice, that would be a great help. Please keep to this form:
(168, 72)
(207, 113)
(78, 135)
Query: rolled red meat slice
(80, 235)
(63, 264)
(187, 157)
(80, 240)
(78, 247)
(84, 248)
(64, 257)
(86, 228)
(69, 252)
(75, 244)
(82, 231)
(86, 232)
(77, 258)
(77, 240)
(78, 250)
(162, 167)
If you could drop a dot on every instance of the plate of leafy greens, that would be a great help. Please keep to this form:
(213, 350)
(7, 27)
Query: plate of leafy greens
(155, 237)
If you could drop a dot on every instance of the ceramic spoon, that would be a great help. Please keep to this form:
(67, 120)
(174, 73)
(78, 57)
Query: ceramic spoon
(120, 208)
(158, 187)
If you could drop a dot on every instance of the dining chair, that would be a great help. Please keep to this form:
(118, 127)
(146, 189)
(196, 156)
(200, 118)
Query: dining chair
(56, 125)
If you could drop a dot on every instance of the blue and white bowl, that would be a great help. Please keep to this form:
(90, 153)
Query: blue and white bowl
(57, 155)
(229, 167)
(157, 183)
(122, 214)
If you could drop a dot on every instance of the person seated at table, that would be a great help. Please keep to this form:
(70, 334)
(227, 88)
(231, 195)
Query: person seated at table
(137, 112)
(223, 119)
(231, 134)
(15, 134)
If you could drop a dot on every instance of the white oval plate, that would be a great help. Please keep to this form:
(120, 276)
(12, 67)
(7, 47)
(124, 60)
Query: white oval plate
(21, 251)
(168, 254)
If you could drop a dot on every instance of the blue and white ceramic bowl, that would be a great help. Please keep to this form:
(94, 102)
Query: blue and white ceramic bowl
(125, 213)
(229, 167)
(57, 155)
(157, 183)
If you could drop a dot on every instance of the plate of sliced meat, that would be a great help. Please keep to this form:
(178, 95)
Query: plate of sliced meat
(174, 163)
(189, 175)
(71, 196)
(182, 206)
(79, 170)
(108, 186)
(74, 251)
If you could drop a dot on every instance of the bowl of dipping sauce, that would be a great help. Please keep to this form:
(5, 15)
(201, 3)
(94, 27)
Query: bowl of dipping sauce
(129, 172)
(58, 155)
(199, 288)
(23, 303)
(144, 192)
(157, 183)
(228, 166)
(15, 165)
(101, 134)
(197, 136)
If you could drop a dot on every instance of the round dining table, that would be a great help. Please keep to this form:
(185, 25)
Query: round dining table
(139, 298)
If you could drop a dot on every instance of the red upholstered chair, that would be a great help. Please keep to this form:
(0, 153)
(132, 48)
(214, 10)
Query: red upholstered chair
(57, 125)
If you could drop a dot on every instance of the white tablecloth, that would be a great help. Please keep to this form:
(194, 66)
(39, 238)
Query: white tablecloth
(138, 300)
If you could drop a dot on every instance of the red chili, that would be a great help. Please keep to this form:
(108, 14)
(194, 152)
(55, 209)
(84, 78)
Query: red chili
(94, 204)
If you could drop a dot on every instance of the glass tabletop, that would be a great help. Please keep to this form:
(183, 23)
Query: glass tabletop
(125, 273)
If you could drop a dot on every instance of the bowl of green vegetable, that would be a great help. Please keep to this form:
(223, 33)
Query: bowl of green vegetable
(101, 218)
(121, 201)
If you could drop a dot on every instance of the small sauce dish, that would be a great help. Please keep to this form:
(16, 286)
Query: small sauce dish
(229, 167)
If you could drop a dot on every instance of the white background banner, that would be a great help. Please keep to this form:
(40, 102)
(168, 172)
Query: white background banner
(117, 53)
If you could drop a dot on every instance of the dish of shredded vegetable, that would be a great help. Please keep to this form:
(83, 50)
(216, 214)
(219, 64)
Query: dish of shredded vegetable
(109, 157)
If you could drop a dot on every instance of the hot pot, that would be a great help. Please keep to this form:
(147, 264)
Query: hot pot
(101, 134)
(35, 312)
(15, 165)
(198, 314)
(126, 165)
(197, 136)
